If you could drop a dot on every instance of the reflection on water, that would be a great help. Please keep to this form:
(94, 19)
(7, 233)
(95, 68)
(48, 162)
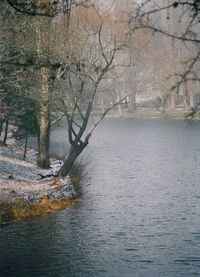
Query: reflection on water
(138, 217)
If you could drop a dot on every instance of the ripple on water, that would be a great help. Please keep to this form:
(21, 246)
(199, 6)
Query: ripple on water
(138, 218)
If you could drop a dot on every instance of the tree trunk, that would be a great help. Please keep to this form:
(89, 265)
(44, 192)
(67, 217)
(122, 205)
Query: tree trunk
(186, 103)
(6, 132)
(42, 37)
(119, 106)
(1, 126)
(25, 147)
(68, 163)
(44, 121)
(132, 103)
(43, 153)
(102, 106)
(173, 102)
(192, 101)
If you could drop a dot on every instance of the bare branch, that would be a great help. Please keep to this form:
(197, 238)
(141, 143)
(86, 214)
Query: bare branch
(102, 116)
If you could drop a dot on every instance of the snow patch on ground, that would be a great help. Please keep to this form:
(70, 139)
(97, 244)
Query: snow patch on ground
(23, 179)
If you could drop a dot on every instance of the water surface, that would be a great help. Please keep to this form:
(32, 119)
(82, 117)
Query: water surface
(139, 214)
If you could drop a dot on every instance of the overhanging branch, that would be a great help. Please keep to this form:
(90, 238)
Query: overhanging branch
(47, 8)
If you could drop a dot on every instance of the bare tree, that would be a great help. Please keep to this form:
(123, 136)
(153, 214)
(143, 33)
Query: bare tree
(91, 64)
(178, 21)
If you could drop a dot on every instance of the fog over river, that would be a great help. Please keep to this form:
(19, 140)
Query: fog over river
(139, 214)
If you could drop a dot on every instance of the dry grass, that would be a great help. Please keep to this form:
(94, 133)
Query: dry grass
(19, 209)
(78, 174)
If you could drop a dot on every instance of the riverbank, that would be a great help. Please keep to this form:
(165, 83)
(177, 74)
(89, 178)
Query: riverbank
(23, 190)
(155, 113)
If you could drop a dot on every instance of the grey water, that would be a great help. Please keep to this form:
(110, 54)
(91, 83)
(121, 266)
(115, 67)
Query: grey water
(139, 213)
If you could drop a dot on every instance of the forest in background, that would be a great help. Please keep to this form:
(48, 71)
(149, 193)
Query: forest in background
(75, 59)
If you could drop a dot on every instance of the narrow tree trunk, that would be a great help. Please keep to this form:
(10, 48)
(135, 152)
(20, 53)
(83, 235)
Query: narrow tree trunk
(119, 106)
(6, 132)
(102, 106)
(163, 103)
(173, 102)
(25, 147)
(68, 163)
(192, 101)
(132, 103)
(1, 126)
(186, 103)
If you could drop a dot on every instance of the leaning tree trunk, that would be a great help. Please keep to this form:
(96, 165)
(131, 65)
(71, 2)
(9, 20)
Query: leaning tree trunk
(68, 163)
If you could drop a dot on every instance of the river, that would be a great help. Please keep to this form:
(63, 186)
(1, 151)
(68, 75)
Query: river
(139, 214)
